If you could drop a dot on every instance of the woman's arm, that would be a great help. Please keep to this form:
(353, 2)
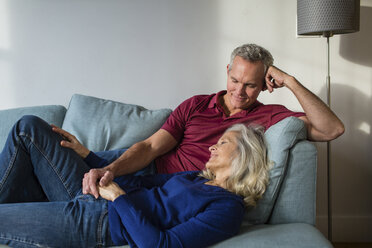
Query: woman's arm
(220, 221)
(70, 141)
(94, 161)
(128, 182)
(148, 181)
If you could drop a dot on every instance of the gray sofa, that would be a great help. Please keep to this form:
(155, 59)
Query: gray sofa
(285, 217)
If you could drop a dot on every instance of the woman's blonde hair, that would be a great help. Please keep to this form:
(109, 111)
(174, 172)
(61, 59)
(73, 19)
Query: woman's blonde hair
(249, 166)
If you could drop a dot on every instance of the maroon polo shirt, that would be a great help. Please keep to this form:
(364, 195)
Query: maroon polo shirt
(199, 122)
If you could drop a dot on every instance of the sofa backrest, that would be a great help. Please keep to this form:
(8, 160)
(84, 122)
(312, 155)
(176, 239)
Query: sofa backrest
(53, 114)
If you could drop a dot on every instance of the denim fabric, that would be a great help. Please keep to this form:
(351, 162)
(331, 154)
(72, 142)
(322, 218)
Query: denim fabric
(81, 222)
(34, 168)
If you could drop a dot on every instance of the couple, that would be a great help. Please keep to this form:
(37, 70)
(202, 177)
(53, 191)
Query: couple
(187, 209)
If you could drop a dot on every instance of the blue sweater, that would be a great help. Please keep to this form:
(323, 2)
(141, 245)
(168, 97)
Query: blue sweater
(173, 210)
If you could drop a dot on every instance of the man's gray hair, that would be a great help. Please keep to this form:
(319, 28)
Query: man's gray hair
(252, 53)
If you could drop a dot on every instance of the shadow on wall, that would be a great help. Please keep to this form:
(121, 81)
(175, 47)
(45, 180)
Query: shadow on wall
(351, 164)
(351, 153)
(357, 47)
(355, 156)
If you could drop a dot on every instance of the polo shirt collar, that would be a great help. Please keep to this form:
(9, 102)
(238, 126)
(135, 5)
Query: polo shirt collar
(215, 104)
(214, 101)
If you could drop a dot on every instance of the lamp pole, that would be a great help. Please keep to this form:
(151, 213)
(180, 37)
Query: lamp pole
(329, 177)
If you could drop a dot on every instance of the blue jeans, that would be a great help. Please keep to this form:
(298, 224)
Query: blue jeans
(34, 168)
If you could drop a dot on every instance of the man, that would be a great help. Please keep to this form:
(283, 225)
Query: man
(182, 143)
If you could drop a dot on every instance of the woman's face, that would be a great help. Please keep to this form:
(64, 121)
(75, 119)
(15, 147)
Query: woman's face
(222, 152)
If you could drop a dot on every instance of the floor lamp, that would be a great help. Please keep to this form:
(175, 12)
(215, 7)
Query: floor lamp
(327, 18)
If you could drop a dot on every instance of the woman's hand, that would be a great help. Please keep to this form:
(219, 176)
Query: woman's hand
(70, 141)
(111, 191)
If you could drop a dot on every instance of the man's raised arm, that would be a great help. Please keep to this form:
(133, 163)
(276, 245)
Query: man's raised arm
(322, 124)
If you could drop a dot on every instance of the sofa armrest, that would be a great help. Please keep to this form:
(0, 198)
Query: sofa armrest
(296, 200)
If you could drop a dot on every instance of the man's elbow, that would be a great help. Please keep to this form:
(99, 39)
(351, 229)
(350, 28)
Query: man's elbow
(336, 132)
(326, 135)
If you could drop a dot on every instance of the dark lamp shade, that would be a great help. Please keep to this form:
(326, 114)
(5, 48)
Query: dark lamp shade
(320, 17)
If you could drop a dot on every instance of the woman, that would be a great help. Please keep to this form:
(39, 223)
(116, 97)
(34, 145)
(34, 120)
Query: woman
(187, 209)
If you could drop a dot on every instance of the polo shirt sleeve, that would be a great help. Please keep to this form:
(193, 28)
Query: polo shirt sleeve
(220, 221)
(176, 122)
(279, 112)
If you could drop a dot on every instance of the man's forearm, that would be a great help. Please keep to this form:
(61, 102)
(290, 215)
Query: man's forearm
(135, 158)
(142, 153)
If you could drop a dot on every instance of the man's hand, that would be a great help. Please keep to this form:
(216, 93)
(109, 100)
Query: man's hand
(111, 191)
(102, 177)
(70, 141)
(276, 78)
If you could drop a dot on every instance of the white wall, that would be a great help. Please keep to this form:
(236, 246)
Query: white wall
(158, 53)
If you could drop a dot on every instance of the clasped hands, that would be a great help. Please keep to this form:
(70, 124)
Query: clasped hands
(97, 182)
(111, 191)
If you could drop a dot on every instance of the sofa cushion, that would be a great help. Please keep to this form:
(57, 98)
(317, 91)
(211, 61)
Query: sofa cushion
(292, 235)
(280, 138)
(105, 125)
(53, 114)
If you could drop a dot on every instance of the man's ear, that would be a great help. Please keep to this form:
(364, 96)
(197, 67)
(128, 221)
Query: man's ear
(227, 68)
(264, 87)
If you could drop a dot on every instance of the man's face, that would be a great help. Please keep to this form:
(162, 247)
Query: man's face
(244, 84)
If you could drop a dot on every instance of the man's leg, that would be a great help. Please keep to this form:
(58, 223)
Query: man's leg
(34, 167)
(82, 222)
